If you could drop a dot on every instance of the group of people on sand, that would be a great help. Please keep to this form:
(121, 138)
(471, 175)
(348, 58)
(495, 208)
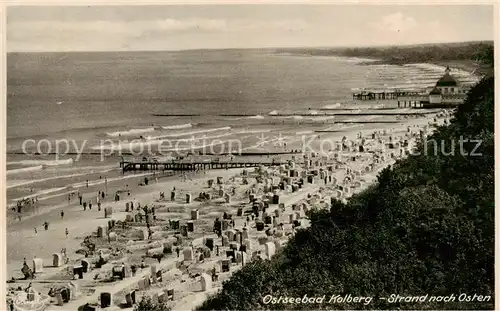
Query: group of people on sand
(24, 203)
(100, 196)
(46, 226)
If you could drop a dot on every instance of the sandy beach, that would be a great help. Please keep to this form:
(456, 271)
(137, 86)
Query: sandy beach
(182, 274)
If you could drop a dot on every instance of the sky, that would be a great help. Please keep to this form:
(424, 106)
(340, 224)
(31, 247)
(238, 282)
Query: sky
(168, 27)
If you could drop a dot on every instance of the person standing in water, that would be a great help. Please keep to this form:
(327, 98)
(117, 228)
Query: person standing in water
(67, 232)
(87, 183)
(62, 214)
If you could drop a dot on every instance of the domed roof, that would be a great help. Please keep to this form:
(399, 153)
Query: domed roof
(435, 91)
(447, 79)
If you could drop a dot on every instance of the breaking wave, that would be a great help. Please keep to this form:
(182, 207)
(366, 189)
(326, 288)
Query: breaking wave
(131, 132)
(226, 128)
(42, 162)
(336, 105)
(177, 127)
(258, 117)
(25, 169)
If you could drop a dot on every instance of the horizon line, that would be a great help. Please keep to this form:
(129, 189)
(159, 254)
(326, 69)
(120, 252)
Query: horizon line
(264, 48)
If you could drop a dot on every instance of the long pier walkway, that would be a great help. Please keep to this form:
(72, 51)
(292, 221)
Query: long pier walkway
(193, 165)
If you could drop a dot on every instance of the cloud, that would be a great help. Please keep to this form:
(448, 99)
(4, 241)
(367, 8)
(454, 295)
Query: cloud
(114, 27)
(277, 25)
(397, 22)
(109, 35)
(172, 25)
(164, 25)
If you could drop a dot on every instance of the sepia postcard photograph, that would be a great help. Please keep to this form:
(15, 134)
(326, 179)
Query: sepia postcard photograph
(291, 156)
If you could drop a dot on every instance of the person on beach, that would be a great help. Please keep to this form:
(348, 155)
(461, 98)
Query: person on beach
(177, 250)
(46, 226)
(84, 206)
(214, 274)
(62, 214)
(67, 232)
(99, 206)
(90, 205)
(69, 198)
(80, 198)
(36, 231)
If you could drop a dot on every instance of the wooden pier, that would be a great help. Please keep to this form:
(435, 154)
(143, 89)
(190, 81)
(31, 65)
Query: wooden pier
(375, 95)
(405, 98)
(386, 94)
(192, 166)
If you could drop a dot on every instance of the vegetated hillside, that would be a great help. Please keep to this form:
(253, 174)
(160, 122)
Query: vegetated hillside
(481, 51)
(426, 227)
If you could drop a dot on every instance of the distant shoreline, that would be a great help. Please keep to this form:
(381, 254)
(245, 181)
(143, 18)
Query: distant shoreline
(468, 56)
(458, 64)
